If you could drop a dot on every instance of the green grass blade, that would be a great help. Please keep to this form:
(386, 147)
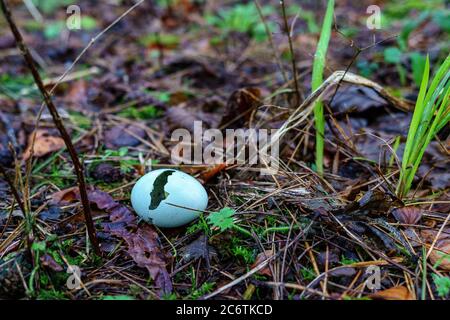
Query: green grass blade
(317, 79)
(418, 111)
(434, 96)
(432, 113)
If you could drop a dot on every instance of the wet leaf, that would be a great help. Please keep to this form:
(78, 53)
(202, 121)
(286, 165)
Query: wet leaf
(123, 136)
(48, 261)
(343, 272)
(240, 103)
(44, 144)
(144, 248)
(211, 172)
(52, 213)
(260, 258)
(198, 248)
(64, 197)
(371, 200)
(439, 180)
(143, 242)
(106, 172)
(359, 100)
(394, 293)
(185, 117)
(440, 255)
(407, 215)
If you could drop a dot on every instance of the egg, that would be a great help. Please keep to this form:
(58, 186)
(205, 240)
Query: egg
(168, 198)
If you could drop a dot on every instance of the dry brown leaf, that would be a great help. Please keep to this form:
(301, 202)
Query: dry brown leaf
(428, 235)
(440, 255)
(211, 172)
(78, 94)
(239, 106)
(143, 242)
(48, 261)
(407, 215)
(44, 144)
(64, 197)
(261, 258)
(394, 293)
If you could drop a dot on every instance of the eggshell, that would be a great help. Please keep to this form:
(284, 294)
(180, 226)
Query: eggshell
(180, 189)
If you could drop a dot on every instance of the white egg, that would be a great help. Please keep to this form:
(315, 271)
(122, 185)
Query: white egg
(168, 198)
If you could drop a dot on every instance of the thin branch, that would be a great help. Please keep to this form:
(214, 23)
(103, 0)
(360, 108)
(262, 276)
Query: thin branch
(65, 75)
(58, 123)
(272, 44)
(291, 49)
(13, 189)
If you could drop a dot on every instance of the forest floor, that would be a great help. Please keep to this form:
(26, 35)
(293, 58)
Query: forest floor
(294, 234)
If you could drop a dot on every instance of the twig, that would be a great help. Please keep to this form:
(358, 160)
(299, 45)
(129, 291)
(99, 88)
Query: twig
(13, 189)
(291, 49)
(58, 123)
(272, 44)
(261, 265)
(33, 11)
(65, 75)
(358, 51)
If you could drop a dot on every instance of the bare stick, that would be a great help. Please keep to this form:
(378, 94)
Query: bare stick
(272, 44)
(13, 189)
(101, 33)
(291, 49)
(66, 73)
(58, 123)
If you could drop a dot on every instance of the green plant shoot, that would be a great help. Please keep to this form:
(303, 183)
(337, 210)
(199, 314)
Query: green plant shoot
(317, 79)
(431, 114)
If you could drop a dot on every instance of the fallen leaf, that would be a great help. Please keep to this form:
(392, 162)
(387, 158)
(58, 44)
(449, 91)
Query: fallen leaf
(78, 94)
(239, 106)
(371, 200)
(211, 172)
(52, 213)
(343, 272)
(179, 117)
(106, 172)
(394, 293)
(123, 136)
(198, 248)
(440, 255)
(359, 100)
(407, 215)
(48, 261)
(260, 258)
(144, 248)
(64, 197)
(439, 179)
(143, 242)
(429, 235)
(44, 144)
